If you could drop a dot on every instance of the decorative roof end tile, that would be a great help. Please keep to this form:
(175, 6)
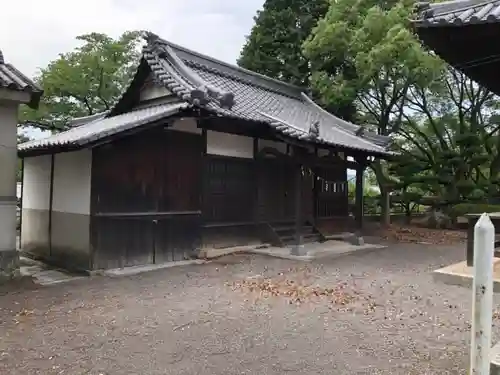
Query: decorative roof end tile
(204, 91)
(314, 130)
(226, 100)
(199, 96)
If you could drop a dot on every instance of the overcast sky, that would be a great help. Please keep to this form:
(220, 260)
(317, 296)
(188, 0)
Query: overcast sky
(33, 32)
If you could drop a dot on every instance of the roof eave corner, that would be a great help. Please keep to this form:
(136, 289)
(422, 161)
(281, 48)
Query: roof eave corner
(203, 92)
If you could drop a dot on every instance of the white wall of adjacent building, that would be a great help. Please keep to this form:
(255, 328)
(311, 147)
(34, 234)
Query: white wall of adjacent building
(229, 145)
(36, 180)
(8, 173)
(72, 177)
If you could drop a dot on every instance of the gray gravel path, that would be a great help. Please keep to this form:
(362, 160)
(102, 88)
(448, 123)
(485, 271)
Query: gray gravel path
(190, 321)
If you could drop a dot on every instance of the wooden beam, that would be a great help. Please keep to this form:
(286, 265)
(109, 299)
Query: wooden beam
(346, 150)
(361, 166)
(51, 200)
(256, 179)
(297, 248)
(204, 172)
(21, 204)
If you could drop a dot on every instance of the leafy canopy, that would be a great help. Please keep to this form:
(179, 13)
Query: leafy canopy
(274, 46)
(85, 81)
(381, 59)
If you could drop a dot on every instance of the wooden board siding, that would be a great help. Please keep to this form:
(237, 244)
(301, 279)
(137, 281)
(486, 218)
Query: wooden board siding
(229, 195)
(332, 192)
(276, 190)
(146, 199)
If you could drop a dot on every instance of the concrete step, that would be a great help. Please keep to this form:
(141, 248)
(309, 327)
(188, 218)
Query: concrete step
(495, 360)
(306, 238)
(290, 231)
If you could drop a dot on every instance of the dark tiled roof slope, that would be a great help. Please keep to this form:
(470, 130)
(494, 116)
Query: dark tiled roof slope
(235, 92)
(99, 128)
(202, 82)
(457, 13)
(13, 79)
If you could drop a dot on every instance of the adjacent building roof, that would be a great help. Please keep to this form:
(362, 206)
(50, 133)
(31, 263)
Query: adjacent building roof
(231, 91)
(463, 33)
(13, 79)
(100, 128)
(79, 121)
(458, 12)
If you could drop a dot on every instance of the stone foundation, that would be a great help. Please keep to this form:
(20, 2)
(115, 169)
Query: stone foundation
(9, 265)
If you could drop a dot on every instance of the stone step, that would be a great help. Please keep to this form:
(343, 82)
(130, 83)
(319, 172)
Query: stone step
(307, 238)
(286, 231)
(495, 359)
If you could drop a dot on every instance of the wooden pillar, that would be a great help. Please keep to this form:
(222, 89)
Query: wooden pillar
(297, 248)
(315, 187)
(51, 200)
(359, 198)
(359, 215)
(256, 180)
(21, 204)
(204, 188)
(204, 171)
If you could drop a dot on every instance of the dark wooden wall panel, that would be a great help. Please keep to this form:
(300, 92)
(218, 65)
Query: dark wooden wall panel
(276, 195)
(146, 197)
(122, 242)
(177, 237)
(229, 197)
(332, 192)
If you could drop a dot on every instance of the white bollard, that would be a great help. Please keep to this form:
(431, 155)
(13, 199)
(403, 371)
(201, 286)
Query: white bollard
(482, 302)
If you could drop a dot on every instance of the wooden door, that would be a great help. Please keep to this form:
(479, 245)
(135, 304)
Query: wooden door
(276, 190)
(331, 190)
(146, 198)
(230, 190)
(178, 225)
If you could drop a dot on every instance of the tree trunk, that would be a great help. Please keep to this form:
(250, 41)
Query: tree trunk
(408, 212)
(385, 217)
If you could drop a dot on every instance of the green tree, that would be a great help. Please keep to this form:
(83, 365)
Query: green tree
(449, 143)
(274, 46)
(85, 81)
(382, 60)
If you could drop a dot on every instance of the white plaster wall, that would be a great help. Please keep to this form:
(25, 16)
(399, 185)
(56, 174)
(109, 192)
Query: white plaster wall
(280, 146)
(36, 181)
(8, 151)
(229, 145)
(8, 169)
(151, 90)
(72, 175)
(188, 125)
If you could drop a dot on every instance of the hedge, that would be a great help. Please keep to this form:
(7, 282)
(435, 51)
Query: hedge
(462, 209)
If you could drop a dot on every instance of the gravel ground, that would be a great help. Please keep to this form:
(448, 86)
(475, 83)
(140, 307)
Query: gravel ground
(202, 320)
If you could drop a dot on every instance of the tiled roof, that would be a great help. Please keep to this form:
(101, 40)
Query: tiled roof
(226, 90)
(79, 121)
(100, 128)
(13, 79)
(235, 92)
(457, 13)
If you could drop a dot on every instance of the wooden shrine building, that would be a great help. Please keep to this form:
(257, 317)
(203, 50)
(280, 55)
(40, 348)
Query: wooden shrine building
(196, 153)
